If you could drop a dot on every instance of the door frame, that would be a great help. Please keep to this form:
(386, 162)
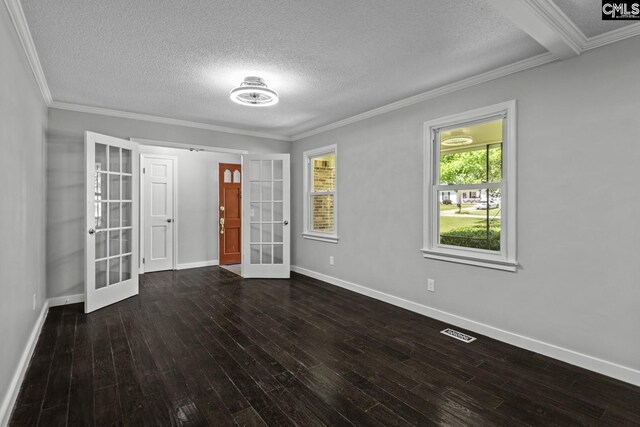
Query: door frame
(187, 146)
(174, 214)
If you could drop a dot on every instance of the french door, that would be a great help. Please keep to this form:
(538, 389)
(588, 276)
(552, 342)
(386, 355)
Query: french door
(265, 216)
(111, 233)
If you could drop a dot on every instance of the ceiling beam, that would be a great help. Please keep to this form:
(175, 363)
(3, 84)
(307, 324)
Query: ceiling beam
(545, 23)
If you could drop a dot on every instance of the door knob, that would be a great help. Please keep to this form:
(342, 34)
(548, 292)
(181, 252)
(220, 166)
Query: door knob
(169, 220)
(286, 222)
(92, 231)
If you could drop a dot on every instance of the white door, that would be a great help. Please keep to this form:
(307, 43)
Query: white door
(158, 218)
(265, 216)
(111, 246)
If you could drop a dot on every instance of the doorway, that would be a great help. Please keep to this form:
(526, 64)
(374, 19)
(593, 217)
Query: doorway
(252, 190)
(132, 211)
(230, 214)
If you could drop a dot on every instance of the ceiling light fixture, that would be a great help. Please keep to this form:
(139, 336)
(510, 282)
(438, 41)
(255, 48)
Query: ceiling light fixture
(253, 91)
(456, 140)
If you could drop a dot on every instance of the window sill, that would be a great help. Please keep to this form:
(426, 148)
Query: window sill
(320, 237)
(478, 262)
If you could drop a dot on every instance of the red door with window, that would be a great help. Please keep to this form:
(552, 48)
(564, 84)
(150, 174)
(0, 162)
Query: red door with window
(230, 213)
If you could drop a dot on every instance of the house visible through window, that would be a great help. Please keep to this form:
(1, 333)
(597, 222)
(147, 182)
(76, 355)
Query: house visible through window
(479, 163)
(321, 194)
(471, 216)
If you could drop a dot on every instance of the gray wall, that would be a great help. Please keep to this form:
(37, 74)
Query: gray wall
(23, 119)
(578, 235)
(65, 190)
(197, 201)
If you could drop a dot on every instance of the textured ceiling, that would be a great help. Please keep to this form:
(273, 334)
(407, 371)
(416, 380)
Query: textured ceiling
(587, 15)
(328, 59)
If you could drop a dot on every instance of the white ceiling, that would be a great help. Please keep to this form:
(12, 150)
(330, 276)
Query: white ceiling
(587, 16)
(328, 59)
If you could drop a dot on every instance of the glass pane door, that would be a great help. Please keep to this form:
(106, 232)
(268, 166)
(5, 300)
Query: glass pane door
(266, 226)
(112, 204)
(266, 213)
(111, 245)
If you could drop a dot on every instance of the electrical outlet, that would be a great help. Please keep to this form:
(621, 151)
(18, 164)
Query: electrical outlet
(331, 260)
(34, 301)
(431, 285)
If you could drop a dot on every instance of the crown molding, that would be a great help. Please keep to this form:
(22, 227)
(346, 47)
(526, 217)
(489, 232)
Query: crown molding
(564, 28)
(185, 146)
(22, 29)
(545, 15)
(612, 36)
(506, 70)
(24, 35)
(547, 11)
(163, 120)
(545, 23)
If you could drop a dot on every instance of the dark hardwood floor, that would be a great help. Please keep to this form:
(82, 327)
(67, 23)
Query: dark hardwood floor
(205, 347)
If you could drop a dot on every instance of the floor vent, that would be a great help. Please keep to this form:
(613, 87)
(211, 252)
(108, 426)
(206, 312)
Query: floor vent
(458, 335)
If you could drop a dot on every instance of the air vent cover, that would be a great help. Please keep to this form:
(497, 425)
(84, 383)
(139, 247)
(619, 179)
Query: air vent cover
(458, 335)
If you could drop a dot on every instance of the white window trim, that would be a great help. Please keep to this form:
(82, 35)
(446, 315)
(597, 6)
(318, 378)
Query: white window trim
(307, 232)
(506, 259)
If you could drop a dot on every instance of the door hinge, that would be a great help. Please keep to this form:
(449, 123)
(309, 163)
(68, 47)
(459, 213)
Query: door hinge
(144, 170)
(144, 260)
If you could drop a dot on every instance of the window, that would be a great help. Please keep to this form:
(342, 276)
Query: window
(321, 194)
(472, 153)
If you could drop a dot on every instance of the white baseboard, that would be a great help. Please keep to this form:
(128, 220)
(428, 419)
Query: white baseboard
(9, 399)
(614, 370)
(197, 264)
(67, 299)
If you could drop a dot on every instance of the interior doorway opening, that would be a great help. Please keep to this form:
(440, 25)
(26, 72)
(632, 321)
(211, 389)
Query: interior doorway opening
(230, 216)
(191, 237)
(123, 226)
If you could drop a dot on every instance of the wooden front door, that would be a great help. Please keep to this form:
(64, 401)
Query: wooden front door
(230, 213)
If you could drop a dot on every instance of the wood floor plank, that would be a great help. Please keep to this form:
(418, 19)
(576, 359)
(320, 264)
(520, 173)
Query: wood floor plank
(249, 418)
(207, 347)
(295, 409)
(104, 373)
(390, 401)
(322, 410)
(137, 331)
(25, 415)
(211, 406)
(55, 416)
(249, 388)
(81, 393)
(57, 393)
(132, 401)
(107, 410)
